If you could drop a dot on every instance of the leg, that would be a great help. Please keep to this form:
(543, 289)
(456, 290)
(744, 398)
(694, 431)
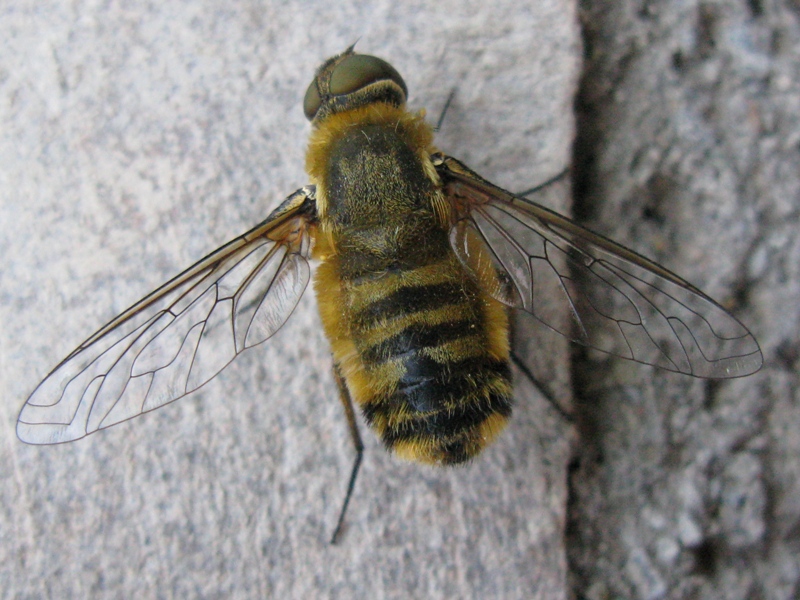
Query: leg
(543, 185)
(347, 402)
(444, 110)
(541, 387)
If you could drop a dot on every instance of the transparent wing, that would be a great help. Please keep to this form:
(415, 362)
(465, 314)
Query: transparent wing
(179, 337)
(621, 303)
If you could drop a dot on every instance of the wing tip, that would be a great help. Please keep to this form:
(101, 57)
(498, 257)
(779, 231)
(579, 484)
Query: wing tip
(44, 434)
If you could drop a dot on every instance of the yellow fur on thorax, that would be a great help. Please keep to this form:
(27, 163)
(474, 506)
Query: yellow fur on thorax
(412, 127)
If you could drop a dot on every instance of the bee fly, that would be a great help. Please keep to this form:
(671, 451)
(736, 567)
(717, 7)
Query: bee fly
(421, 261)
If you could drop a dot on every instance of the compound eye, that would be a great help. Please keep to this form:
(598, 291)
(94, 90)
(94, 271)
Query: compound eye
(312, 101)
(360, 70)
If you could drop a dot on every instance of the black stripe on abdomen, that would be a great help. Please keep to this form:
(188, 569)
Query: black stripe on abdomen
(448, 397)
(429, 386)
(410, 299)
(414, 338)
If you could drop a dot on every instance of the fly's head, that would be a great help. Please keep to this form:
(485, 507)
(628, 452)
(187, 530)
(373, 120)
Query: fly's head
(348, 81)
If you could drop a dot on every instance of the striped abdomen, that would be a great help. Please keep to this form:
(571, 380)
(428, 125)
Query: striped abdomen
(423, 350)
